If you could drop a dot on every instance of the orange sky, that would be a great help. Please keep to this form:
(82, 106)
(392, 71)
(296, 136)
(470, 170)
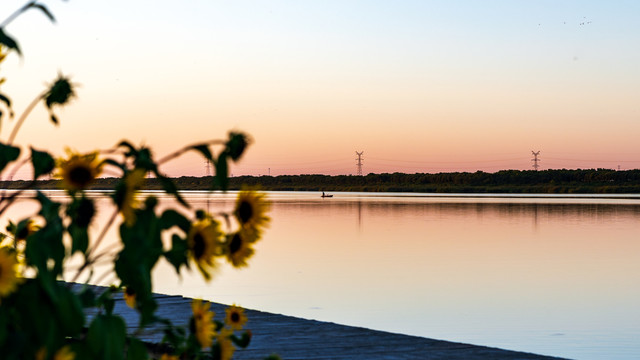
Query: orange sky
(420, 86)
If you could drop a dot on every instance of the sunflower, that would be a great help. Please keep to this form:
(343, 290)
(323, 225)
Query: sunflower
(79, 171)
(9, 278)
(64, 353)
(238, 248)
(224, 345)
(126, 195)
(251, 208)
(129, 297)
(235, 317)
(204, 244)
(169, 357)
(203, 326)
(29, 228)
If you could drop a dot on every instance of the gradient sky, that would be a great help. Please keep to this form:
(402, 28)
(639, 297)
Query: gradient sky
(419, 86)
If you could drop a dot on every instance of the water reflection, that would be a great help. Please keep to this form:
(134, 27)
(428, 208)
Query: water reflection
(551, 276)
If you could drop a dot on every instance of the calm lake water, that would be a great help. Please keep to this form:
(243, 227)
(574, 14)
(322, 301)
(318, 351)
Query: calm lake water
(549, 275)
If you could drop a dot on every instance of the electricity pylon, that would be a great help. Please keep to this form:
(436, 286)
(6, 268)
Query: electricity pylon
(359, 163)
(535, 160)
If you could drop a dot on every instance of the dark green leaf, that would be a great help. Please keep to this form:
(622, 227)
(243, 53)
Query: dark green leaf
(177, 256)
(222, 172)
(147, 306)
(68, 311)
(242, 341)
(170, 187)
(43, 163)
(79, 238)
(106, 337)
(45, 248)
(9, 42)
(8, 154)
(204, 150)
(44, 10)
(106, 300)
(87, 297)
(81, 211)
(172, 218)
(136, 350)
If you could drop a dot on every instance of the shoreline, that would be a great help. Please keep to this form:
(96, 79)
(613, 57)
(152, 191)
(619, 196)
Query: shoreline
(296, 338)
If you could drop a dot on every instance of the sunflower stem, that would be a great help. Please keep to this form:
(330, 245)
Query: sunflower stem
(17, 13)
(177, 153)
(10, 199)
(101, 236)
(22, 118)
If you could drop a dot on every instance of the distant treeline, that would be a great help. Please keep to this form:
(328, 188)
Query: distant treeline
(506, 181)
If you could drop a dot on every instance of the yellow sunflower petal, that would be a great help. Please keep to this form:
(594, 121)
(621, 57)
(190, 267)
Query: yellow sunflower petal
(204, 241)
(238, 249)
(251, 209)
(78, 171)
(204, 328)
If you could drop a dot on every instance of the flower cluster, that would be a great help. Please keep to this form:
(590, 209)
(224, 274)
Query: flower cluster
(219, 336)
(42, 315)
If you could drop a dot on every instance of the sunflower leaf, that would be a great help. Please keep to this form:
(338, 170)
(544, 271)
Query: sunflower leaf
(242, 341)
(136, 350)
(132, 150)
(106, 337)
(87, 297)
(79, 238)
(170, 188)
(9, 42)
(172, 218)
(43, 163)
(8, 154)
(69, 311)
(177, 256)
(204, 150)
(44, 10)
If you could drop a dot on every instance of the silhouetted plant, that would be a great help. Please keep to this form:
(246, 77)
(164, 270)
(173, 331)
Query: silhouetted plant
(42, 317)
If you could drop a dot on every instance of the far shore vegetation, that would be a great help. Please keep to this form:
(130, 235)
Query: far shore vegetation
(563, 181)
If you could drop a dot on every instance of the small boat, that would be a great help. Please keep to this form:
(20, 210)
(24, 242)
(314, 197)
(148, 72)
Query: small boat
(325, 195)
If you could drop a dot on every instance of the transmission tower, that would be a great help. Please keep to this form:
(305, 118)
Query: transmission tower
(207, 167)
(535, 160)
(359, 163)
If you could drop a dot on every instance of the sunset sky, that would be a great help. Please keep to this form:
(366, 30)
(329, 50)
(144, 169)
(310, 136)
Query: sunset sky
(419, 86)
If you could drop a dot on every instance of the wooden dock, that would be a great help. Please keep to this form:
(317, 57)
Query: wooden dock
(296, 338)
